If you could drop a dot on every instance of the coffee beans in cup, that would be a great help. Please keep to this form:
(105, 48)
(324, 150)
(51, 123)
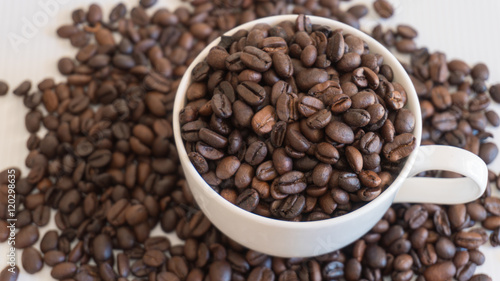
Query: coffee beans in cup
(80, 239)
(296, 121)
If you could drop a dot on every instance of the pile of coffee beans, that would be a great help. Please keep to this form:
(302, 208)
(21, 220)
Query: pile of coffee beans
(296, 121)
(108, 168)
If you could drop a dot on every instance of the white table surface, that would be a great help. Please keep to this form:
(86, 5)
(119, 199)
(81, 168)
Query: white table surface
(463, 29)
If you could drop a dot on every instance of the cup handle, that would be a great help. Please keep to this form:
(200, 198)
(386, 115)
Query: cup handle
(444, 190)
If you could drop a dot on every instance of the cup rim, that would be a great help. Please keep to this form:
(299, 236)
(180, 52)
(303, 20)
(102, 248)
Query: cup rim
(400, 76)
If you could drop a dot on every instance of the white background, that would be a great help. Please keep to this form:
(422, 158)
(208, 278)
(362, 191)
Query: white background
(463, 29)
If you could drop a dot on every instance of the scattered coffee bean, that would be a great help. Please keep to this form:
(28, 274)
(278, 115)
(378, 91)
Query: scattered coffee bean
(23, 88)
(32, 260)
(4, 88)
(383, 8)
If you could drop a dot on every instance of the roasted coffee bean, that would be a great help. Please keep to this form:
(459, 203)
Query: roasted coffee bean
(400, 148)
(394, 100)
(348, 182)
(328, 93)
(94, 14)
(248, 199)
(308, 106)
(333, 270)
(488, 152)
(327, 153)
(154, 258)
(256, 153)
(365, 77)
(292, 182)
(102, 247)
(227, 167)
(480, 71)
(290, 207)
(286, 107)
(440, 271)
(469, 240)
(63, 270)
(320, 119)
(99, 158)
(32, 260)
(220, 270)
(357, 117)
(252, 93)
(199, 162)
(492, 205)
(310, 77)
(4, 88)
(340, 132)
(23, 88)
(9, 273)
(27, 236)
(406, 46)
(282, 65)
(54, 257)
(406, 31)
(255, 59)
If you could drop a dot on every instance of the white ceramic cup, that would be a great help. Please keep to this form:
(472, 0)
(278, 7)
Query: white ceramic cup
(303, 239)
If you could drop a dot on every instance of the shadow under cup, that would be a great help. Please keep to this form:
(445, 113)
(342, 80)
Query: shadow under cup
(285, 238)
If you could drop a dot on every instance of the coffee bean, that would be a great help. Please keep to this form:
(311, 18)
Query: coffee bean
(481, 277)
(357, 117)
(492, 205)
(480, 71)
(23, 88)
(340, 132)
(248, 199)
(340, 103)
(27, 236)
(491, 223)
(327, 153)
(9, 273)
(99, 158)
(227, 167)
(32, 260)
(255, 59)
(199, 162)
(383, 8)
(488, 152)
(394, 100)
(469, 240)
(282, 64)
(264, 120)
(220, 270)
(4, 88)
(147, 3)
(94, 14)
(308, 106)
(154, 258)
(102, 247)
(348, 182)
(286, 107)
(310, 77)
(358, 11)
(291, 206)
(375, 256)
(63, 270)
(401, 147)
(251, 92)
(406, 31)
